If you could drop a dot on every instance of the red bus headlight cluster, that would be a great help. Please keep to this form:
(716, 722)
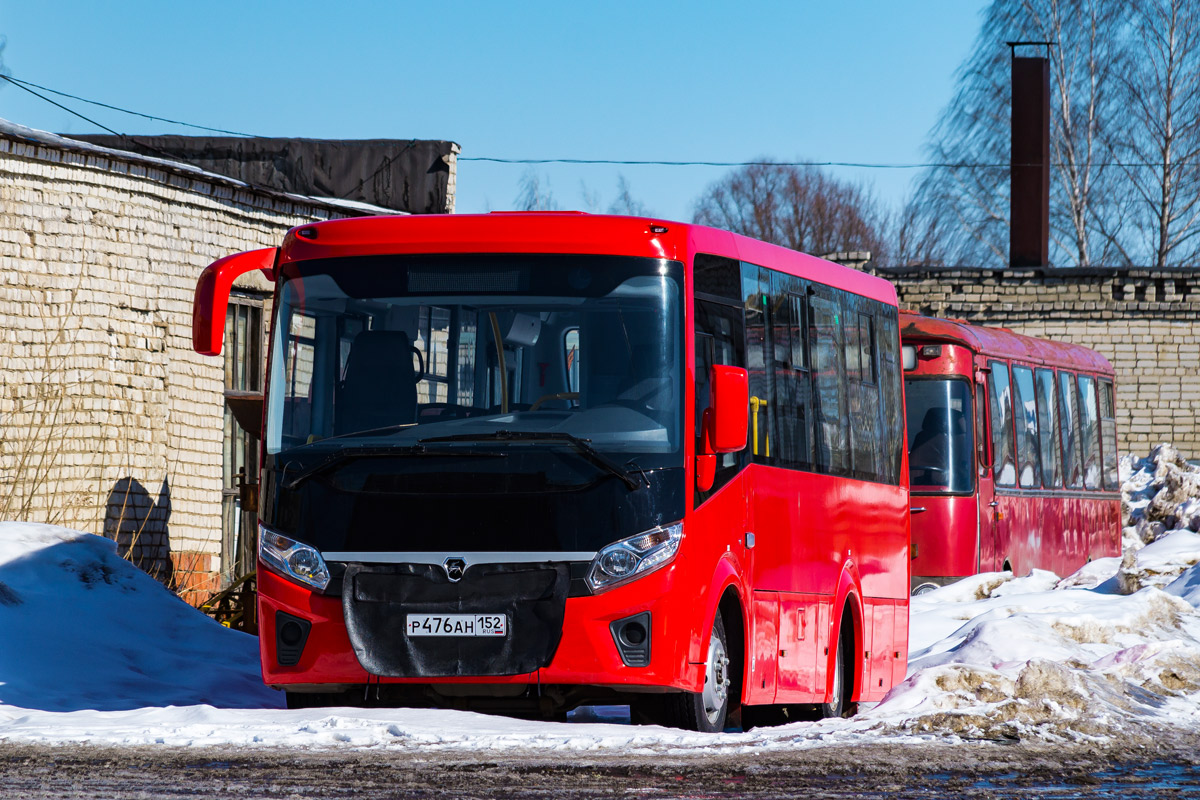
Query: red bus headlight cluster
(294, 560)
(634, 557)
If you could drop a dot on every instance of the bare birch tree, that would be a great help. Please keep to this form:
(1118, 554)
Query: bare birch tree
(797, 207)
(960, 210)
(1159, 148)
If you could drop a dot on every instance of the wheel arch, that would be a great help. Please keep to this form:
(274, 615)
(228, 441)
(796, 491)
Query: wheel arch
(733, 615)
(848, 607)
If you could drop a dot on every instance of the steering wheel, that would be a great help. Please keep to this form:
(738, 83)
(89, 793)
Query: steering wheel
(420, 374)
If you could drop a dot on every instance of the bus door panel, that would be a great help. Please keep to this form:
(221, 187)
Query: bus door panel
(798, 623)
(900, 645)
(762, 676)
(881, 650)
(986, 496)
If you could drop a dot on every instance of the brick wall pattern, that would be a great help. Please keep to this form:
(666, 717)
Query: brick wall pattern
(109, 422)
(1146, 322)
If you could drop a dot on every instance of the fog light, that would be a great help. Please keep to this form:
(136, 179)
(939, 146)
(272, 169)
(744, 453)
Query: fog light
(291, 633)
(632, 637)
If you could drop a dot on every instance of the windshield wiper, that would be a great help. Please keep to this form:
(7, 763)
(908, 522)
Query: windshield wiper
(344, 455)
(582, 446)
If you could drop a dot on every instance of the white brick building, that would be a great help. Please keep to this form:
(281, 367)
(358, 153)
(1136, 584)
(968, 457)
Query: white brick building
(109, 422)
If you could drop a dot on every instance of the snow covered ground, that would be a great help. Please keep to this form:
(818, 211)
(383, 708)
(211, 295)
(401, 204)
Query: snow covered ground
(92, 650)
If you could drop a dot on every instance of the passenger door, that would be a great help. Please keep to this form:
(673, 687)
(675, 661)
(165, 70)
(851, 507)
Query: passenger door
(986, 495)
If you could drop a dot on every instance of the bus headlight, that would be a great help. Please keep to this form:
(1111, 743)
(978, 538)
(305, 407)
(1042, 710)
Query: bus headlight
(634, 557)
(292, 559)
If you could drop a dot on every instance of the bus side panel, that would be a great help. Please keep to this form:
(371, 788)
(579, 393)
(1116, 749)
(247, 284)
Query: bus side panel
(798, 623)
(1106, 540)
(1057, 533)
(883, 629)
(762, 675)
(808, 525)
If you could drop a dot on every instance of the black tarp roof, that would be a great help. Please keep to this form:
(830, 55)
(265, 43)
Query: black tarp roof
(410, 176)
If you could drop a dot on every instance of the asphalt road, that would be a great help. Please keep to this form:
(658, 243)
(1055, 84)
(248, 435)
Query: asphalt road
(918, 770)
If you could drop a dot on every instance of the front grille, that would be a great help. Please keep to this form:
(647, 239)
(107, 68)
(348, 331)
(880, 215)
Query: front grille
(377, 598)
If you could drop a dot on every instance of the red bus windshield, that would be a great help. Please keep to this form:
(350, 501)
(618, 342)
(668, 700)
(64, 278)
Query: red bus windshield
(940, 440)
(446, 390)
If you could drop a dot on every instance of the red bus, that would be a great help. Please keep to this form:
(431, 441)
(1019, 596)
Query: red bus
(521, 462)
(1012, 452)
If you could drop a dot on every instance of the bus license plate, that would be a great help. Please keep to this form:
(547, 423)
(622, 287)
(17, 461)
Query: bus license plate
(457, 625)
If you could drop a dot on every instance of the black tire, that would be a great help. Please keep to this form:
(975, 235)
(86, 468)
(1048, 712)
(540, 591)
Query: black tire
(705, 711)
(839, 704)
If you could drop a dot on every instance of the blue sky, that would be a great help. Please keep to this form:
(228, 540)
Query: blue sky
(856, 80)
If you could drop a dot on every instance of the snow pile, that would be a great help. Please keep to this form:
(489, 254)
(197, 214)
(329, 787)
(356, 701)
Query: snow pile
(82, 628)
(1113, 648)
(1159, 494)
(1001, 658)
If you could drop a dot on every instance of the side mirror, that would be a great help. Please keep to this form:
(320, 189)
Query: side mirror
(726, 421)
(212, 295)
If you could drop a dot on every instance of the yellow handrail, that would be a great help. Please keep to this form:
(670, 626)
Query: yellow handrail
(755, 404)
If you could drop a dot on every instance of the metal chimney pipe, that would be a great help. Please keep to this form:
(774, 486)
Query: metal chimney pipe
(1029, 210)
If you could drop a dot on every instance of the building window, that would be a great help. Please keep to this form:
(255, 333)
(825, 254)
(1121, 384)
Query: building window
(244, 350)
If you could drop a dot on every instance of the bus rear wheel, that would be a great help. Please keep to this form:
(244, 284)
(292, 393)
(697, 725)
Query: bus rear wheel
(706, 710)
(839, 704)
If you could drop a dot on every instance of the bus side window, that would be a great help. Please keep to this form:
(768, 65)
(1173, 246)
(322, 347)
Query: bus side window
(793, 390)
(1048, 429)
(1003, 465)
(1090, 427)
(891, 384)
(831, 453)
(719, 340)
(1068, 412)
(1029, 467)
(866, 427)
(1108, 435)
(756, 287)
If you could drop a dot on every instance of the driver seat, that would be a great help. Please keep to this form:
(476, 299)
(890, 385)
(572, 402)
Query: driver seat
(379, 388)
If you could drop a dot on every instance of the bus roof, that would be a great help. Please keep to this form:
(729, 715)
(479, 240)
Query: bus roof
(562, 232)
(1003, 343)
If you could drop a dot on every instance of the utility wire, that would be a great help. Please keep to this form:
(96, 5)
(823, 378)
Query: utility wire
(857, 164)
(23, 84)
(19, 85)
(26, 84)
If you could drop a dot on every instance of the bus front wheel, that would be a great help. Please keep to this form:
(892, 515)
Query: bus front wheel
(706, 710)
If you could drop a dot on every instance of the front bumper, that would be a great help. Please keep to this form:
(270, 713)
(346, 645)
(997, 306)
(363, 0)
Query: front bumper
(587, 654)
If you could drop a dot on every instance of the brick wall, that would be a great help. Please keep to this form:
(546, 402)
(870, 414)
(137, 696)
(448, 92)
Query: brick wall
(1146, 322)
(109, 422)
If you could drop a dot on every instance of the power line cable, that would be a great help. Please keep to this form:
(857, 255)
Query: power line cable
(19, 85)
(23, 84)
(26, 84)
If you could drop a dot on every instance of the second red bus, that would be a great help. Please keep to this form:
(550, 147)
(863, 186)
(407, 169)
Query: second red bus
(1012, 452)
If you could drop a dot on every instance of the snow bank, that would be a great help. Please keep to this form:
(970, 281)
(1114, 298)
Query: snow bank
(1109, 654)
(82, 628)
(1159, 494)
